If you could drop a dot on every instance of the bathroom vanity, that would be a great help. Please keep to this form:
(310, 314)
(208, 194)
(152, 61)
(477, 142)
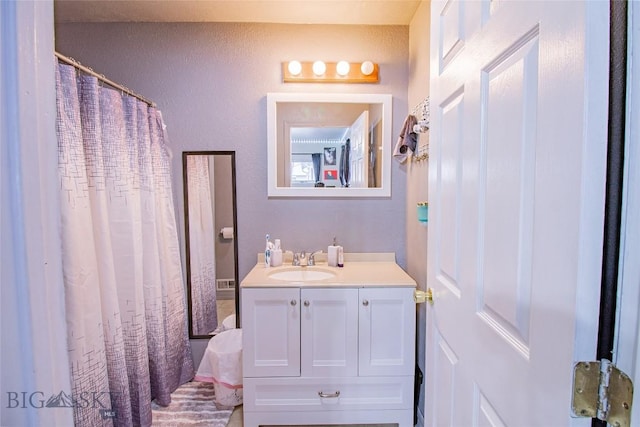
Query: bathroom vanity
(329, 345)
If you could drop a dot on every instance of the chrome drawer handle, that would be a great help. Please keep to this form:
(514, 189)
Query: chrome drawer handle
(293, 302)
(365, 302)
(306, 303)
(323, 394)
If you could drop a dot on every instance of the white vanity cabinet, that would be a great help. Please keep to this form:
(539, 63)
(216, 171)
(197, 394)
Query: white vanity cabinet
(271, 323)
(328, 355)
(329, 332)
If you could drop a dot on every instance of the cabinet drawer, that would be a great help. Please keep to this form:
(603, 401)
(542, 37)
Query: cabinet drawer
(303, 394)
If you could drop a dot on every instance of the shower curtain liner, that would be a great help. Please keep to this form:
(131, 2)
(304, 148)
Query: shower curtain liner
(126, 316)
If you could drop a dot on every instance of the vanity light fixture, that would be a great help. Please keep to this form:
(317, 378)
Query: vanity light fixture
(329, 72)
(342, 68)
(319, 68)
(294, 67)
(367, 68)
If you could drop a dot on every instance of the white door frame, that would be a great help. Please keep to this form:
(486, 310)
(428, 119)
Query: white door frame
(34, 334)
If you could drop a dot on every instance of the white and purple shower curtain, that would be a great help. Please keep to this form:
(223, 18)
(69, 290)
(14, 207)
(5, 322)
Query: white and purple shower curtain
(126, 317)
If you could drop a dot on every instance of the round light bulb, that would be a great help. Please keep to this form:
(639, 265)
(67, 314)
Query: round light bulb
(319, 68)
(367, 68)
(343, 68)
(295, 67)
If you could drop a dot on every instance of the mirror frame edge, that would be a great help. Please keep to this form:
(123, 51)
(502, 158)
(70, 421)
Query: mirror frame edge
(273, 191)
(187, 240)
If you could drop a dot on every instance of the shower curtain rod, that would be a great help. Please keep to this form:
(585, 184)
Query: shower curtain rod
(102, 78)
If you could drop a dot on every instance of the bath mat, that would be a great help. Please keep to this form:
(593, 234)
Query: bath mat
(192, 404)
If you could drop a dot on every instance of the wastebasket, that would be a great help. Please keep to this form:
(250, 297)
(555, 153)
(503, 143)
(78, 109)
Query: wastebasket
(229, 322)
(222, 365)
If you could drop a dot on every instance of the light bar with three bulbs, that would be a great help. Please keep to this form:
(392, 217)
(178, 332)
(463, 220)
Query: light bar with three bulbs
(329, 72)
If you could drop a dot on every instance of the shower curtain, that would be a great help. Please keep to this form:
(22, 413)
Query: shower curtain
(126, 317)
(204, 313)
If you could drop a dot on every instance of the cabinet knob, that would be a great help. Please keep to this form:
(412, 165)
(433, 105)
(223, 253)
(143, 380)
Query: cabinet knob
(306, 303)
(365, 302)
(293, 302)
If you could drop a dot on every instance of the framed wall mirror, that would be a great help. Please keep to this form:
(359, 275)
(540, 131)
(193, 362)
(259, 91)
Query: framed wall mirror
(329, 145)
(209, 179)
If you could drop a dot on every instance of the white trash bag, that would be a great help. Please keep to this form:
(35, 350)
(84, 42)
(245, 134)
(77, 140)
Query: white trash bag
(222, 365)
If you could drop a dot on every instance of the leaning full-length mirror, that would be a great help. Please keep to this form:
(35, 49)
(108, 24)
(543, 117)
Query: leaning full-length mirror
(329, 145)
(209, 179)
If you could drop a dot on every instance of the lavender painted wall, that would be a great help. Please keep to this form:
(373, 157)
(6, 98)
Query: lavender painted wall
(210, 80)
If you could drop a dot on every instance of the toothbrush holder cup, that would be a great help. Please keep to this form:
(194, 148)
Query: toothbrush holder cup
(423, 211)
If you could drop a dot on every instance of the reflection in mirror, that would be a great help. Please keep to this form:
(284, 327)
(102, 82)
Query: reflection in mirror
(211, 241)
(329, 145)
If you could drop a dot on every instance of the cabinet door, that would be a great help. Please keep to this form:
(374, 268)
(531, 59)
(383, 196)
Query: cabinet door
(387, 319)
(329, 338)
(271, 332)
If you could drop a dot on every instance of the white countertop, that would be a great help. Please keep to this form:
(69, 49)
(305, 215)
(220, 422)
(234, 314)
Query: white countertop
(360, 270)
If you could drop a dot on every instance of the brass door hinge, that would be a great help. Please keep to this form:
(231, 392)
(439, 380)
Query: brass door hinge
(602, 391)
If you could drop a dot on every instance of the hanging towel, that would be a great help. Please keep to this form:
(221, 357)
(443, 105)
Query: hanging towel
(407, 140)
(345, 163)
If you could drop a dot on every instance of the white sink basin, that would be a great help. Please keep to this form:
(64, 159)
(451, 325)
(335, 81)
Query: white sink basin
(302, 274)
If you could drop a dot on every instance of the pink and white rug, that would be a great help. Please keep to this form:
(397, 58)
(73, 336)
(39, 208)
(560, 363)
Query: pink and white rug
(192, 404)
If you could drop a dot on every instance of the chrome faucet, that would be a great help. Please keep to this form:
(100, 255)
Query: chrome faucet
(303, 259)
(312, 259)
(299, 259)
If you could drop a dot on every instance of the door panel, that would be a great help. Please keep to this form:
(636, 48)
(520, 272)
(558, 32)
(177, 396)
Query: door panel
(450, 181)
(486, 414)
(517, 198)
(506, 190)
(329, 340)
(387, 331)
(271, 337)
(444, 380)
(359, 156)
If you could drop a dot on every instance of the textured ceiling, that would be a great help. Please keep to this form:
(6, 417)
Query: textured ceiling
(359, 12)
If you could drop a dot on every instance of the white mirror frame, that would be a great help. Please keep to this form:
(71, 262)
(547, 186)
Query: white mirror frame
(273, 99)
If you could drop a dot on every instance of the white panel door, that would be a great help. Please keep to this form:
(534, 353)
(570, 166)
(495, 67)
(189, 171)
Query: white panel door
(516, 187)
(329, 332)
(627, 356)
(271, 332)
(359, 155)
(387, 320)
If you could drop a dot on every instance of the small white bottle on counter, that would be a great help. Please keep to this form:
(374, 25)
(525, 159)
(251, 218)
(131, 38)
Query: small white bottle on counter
(276, 254)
